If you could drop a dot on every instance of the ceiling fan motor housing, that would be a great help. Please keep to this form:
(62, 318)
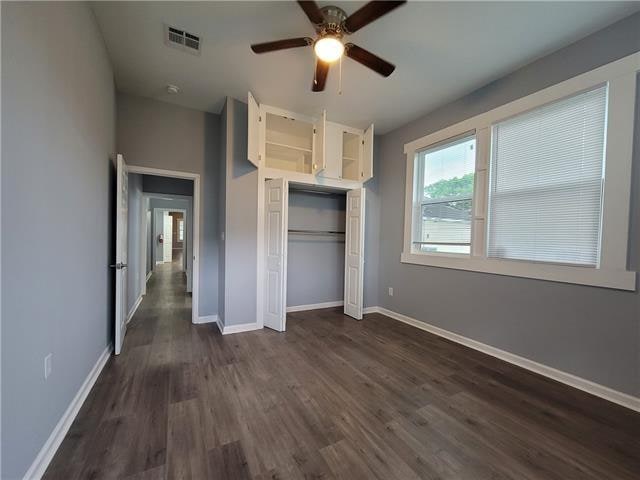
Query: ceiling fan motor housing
(334, 21)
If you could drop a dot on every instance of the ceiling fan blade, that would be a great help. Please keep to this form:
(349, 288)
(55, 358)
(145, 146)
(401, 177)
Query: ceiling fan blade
(313, 12)
(369, 60)
(320, 78)
(369, 13)
(281, 44)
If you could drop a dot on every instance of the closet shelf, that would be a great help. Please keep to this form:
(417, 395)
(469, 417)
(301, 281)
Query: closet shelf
(292, 147)
(315, 232)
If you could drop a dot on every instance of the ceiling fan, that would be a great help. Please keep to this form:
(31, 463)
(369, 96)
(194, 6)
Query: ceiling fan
(332, 24)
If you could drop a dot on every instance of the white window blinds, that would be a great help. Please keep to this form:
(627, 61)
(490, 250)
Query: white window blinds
(546, 176)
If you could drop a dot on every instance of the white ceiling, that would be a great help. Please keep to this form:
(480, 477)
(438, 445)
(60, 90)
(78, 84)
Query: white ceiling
(442, 51)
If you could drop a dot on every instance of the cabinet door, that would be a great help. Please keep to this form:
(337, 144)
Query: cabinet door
(332, 151)
(253, 136)
(366, 171)
(318, 157)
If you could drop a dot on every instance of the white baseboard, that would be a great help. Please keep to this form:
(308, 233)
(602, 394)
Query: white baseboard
(149, 275)
(314, 306)
(207, 319)
(132, 312)
(243, 327)
(620, 398)
(40, 464)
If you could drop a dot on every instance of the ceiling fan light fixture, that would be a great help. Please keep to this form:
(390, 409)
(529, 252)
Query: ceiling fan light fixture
(328, 48)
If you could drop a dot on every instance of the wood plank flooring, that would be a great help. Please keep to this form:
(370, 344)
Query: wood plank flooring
(332, 398)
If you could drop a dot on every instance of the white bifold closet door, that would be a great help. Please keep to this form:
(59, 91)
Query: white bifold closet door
(276, 224)
(354, 254)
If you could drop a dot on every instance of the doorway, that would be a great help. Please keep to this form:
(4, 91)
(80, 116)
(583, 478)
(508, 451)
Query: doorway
(169, 226)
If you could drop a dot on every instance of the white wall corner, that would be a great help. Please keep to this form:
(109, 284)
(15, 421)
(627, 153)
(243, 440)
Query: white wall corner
(41, 462)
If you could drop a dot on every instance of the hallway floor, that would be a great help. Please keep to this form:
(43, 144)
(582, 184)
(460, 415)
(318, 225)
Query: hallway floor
(331, 398)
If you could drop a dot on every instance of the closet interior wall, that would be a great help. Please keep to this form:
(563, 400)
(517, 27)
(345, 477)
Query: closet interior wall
(315, 262)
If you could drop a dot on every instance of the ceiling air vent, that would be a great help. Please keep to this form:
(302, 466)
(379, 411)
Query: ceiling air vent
(174, 37)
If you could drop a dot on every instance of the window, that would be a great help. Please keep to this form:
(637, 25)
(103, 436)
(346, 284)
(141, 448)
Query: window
(443, 198)
(181, 230)
(546, 176)
(539, 187)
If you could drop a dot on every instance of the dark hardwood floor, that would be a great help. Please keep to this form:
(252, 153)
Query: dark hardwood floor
(331, 398)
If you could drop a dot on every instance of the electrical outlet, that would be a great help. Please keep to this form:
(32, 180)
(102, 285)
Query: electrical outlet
(48, 365)
(391, 291)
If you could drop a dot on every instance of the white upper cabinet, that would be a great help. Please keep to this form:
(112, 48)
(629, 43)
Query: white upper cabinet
(312, 150)
(349, 153)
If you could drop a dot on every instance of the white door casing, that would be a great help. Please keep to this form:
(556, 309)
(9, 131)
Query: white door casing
(276, 224)
(122, 207)
(167, 234)
(354, 253)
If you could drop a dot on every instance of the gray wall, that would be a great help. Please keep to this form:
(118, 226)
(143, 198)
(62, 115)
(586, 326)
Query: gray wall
(241, 221)
(315, 264)
(590, 332)
(222, 204)
(372, 232)
(154, 134)
(167, 185)
(58, 133)
(134, 250)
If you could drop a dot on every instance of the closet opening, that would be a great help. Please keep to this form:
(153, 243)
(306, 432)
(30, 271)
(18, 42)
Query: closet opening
(313, 250)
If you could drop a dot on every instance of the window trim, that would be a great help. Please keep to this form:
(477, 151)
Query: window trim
(611, 271)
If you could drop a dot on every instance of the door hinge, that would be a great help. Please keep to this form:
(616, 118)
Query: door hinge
(363, 142)
(259, 118)
(314, 130)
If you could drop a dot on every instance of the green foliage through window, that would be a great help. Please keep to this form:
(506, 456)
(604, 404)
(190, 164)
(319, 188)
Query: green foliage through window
(453, 187)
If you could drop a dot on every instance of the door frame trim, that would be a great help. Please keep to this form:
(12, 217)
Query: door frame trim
(195, 282)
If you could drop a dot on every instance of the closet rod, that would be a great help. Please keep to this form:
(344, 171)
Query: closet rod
(315, 232)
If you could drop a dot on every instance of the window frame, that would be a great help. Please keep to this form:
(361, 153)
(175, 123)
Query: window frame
(611, 270)
(417, 212)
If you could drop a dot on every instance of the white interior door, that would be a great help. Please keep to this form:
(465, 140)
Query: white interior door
(354, 253)
(276, 224)
(121, 252)
(167, 235)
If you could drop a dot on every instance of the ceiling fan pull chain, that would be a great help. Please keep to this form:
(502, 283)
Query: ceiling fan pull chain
(315, 70)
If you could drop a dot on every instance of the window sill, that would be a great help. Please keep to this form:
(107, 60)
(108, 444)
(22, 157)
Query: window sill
(616, 279)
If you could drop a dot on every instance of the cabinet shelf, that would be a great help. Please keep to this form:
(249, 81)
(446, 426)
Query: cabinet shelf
(292, 147)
